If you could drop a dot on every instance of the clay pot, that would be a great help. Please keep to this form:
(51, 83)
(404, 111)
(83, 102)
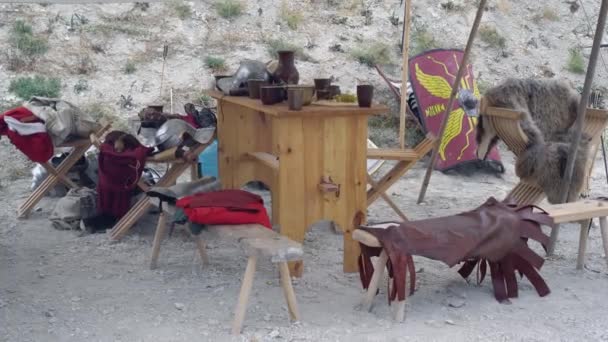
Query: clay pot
(254, 87)
(295, 98)
(365, 94)
(322, 83)
(272, 94)
(308, 92)
(286, 70)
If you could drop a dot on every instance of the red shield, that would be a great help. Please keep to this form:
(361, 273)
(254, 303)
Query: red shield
(432, 74)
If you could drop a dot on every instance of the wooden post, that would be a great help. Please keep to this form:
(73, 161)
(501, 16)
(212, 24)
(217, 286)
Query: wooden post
(604, 232)
(404, 72)
(582, 111)
(455, 87)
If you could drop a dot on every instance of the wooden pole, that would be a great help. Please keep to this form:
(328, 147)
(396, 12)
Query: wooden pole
(162, 74)
(463, 66)
(582, 111)
(404, 72)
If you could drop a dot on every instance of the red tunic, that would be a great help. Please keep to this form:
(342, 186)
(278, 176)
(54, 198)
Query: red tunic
(38, 147)
(225, 207)
(119, 173)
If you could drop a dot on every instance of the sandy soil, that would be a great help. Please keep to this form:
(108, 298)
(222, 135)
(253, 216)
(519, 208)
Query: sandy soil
(58, 286)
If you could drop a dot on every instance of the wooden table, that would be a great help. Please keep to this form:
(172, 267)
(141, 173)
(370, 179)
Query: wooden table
(292, 152)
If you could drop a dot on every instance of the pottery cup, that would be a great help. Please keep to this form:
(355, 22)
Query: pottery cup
(295, 98)
(254, 87)
(365, 94)
(272, 94)
(308, 90)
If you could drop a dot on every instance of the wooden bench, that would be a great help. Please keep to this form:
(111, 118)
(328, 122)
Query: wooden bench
(257, 242)
(581, 211)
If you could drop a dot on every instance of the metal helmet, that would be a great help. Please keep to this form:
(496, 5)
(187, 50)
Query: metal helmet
(248, 70)
(170, 134)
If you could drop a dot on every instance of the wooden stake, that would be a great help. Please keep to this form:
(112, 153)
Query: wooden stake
(582, 111)
(455, 87)
(404, 71)
(162, 74)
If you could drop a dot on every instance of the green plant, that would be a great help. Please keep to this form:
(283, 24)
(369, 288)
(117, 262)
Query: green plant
(576, 62)
(275, 45)
(372, 54)
(489, 35)
(229, 8)
(451, 6)
(293, 18)
(422, 40)
(205, 100)
(215, 63)
(182, 9)
(26, 87)
(81, 86)
(22, 38)
(130, 67)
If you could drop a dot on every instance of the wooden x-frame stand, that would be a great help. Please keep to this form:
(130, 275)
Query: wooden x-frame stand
(59, 174)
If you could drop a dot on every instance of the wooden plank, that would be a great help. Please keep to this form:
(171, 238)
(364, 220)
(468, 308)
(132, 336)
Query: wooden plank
(265, 159)
(355, 190)
(281, 109)
(288, 141)
(314, 135)
(257, 240)
(504, 113)
(392, 154)
(577, 211)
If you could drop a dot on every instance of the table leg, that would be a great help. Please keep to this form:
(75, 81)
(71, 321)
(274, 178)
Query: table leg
(604, 231)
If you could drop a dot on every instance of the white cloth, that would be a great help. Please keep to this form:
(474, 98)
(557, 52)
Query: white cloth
(24, 128)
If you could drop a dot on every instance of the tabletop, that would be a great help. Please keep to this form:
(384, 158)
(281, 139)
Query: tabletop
(281, 109)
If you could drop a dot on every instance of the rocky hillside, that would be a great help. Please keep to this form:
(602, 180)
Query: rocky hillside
(109, 58)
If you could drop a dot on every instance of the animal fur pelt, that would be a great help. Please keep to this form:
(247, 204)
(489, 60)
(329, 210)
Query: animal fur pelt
(544, 163)
(549, 109)
(551, 104)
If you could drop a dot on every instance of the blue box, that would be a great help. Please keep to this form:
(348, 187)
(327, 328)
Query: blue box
(207, 161)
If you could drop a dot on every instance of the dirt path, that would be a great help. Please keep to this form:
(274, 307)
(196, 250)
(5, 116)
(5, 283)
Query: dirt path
(56, 286)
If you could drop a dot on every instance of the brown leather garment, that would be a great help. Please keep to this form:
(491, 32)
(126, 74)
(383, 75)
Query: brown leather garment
(493, 234)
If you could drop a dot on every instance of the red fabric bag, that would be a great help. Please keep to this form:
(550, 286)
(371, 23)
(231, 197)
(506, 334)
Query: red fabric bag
(38, 147)
(225, 207)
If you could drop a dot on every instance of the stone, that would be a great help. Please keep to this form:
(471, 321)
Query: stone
(179, 306)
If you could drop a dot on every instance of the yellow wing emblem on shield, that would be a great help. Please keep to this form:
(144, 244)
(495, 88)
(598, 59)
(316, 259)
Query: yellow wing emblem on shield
(435, 85)
(452, 129)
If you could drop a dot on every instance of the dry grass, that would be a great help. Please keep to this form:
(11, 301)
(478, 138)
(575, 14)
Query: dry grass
(371, 54)
(422, 40)
(293, 18)
(503, 6)
(181, 9)
(490, 36)
(104, 114)
(547, 14)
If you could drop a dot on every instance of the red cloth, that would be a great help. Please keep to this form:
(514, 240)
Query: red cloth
(119, 173)
(191, 120)
(225, 207)
(37, 147)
